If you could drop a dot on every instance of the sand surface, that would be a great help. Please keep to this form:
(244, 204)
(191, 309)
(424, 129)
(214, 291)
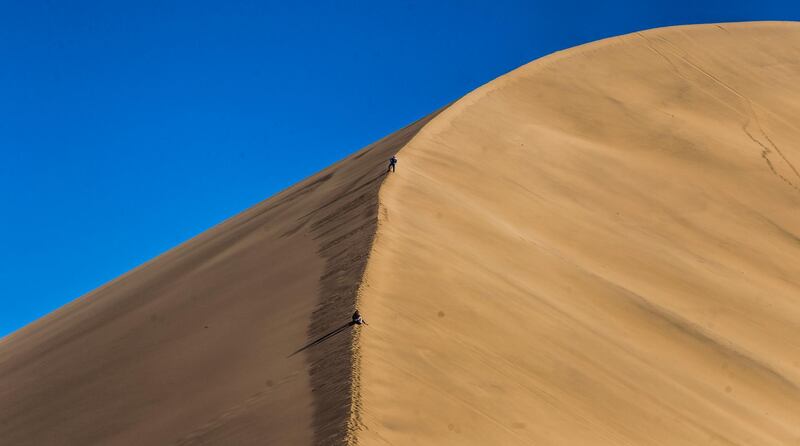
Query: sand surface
(196, 346)
(601, 247)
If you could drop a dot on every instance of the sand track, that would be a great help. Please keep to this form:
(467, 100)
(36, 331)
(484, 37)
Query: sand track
(196, 346)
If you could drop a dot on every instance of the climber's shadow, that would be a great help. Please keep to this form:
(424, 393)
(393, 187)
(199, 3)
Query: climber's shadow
(323, 338)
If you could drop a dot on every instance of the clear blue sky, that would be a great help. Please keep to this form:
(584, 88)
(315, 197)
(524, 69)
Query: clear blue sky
(128, 127)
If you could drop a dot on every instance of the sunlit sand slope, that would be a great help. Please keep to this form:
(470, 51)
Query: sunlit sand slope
(200, 346)
(601, 247)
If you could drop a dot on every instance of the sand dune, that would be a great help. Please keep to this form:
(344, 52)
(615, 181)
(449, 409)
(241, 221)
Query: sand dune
(601, 247)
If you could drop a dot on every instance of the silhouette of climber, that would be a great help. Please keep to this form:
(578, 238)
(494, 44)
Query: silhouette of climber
(392, 163)
(357, 319)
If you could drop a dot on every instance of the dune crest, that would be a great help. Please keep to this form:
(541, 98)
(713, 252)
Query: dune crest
(601, 247)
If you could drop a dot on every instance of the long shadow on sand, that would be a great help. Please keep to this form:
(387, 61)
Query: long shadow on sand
(323, 338)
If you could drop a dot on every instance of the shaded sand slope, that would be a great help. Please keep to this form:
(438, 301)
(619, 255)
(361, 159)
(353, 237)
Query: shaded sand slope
(195, 346)
(601, 247)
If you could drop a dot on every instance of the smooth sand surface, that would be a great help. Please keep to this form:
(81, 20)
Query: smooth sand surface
(199, 346)
(601, 247)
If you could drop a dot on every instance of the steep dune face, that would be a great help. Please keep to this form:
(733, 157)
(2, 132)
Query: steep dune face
(196, 347)
(601, 247)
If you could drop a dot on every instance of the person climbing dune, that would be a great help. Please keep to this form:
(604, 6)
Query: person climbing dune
(392, 163)
(357, 319)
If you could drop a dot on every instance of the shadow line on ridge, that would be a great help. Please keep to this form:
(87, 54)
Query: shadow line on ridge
(323, 338)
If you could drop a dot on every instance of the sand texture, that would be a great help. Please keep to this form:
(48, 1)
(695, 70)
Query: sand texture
(599, 248)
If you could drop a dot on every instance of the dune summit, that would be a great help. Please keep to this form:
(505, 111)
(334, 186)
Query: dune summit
(600, 247)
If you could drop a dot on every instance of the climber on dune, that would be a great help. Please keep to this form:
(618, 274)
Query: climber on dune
(357, 319)
(392, 163)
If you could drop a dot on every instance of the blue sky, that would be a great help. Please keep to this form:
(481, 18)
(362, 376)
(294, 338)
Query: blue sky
(126, 128)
